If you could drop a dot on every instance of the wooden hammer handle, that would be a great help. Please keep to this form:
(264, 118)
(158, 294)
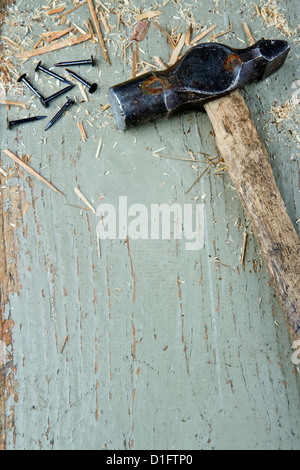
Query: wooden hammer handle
(250, 170)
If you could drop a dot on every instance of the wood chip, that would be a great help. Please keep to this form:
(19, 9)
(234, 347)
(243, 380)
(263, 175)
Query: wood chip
(202, 173)
(10, 41)
(98, 30)
(147, 15)
(54, 11)
(72, 9)
(54, 47)
(90, 26)
(30, 170)
(245, 235)
(248, 34)
(83, 92)
(177, 50)
(82, 31)
(64, 345)
(13, 103)
(257, 10)
(183, 159)
(40, 41)
(188, 36)
(202, 35)
(160, 63)
(222, 34)
(119, 20)
(59, 34)
(104, 108)
(169, 37)
(99, 148)
(3, 172)
(84, 199)
(104, 22)
(140, 31)
(135, 58)
(82, 131)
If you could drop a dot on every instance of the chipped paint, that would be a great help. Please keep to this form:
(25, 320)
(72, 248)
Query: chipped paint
(13, 208)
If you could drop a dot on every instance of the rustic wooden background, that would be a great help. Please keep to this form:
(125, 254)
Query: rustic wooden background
(148, 346)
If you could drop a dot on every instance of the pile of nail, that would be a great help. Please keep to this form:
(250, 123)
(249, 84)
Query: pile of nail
(46, 101)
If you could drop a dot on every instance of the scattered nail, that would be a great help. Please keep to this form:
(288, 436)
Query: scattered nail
(26, 82)
(40, 68)
(46, 101)
(92, 88)
(10, 124)
(59, 114)
(90, 61)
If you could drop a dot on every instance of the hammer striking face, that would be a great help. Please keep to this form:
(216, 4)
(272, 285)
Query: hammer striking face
(206, 72)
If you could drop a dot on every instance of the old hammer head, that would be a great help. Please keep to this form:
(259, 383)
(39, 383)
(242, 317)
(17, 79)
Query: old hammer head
(206, 72)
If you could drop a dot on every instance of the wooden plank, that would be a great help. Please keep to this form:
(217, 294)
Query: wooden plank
(142, 341)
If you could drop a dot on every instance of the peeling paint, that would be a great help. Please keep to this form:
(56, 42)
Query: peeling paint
(13, 208)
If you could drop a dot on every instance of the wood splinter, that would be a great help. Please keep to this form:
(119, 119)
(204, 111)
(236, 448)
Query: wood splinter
(98, 30)
(30, 170)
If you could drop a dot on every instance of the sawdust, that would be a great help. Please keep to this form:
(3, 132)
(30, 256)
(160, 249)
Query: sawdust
(272, 15)
(285, 120)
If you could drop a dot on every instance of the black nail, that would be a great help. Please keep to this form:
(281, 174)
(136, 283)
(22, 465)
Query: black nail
(46, 101)
(31, 87)
(92, 88)
(90, 61)
(10, 124)
(40, 68)
(60, 112)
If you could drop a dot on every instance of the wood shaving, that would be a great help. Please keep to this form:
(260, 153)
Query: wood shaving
(83, 92)
(82, 131)
(13, 103)
(99, 148)
(245, 237)
(249, 35)
(98, 30)
(59, 34)
(54, 11)
(285, 116)
(160, 63)
(177, 50)
(72, 9)
(30, 170)
(222, 34)
(54, 47)
(188, 35)
(169, 37)
(147, 15)
(84, 199)
(287, 110)
(272, 16)
(104, 22)
(90, 26)
(202, 173)
(202, 35)
(13, 43)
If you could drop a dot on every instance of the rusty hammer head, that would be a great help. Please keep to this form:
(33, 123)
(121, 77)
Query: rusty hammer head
(205, 72)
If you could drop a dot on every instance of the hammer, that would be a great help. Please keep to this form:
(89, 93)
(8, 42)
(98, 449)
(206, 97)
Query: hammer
(208, 77)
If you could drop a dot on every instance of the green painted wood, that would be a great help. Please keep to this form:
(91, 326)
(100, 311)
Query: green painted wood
(167, 348)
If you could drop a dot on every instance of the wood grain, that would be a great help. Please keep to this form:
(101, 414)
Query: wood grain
(250, 169)
(165, 347)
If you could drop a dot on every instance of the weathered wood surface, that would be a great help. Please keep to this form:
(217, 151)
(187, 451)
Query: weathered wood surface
(166, 348)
